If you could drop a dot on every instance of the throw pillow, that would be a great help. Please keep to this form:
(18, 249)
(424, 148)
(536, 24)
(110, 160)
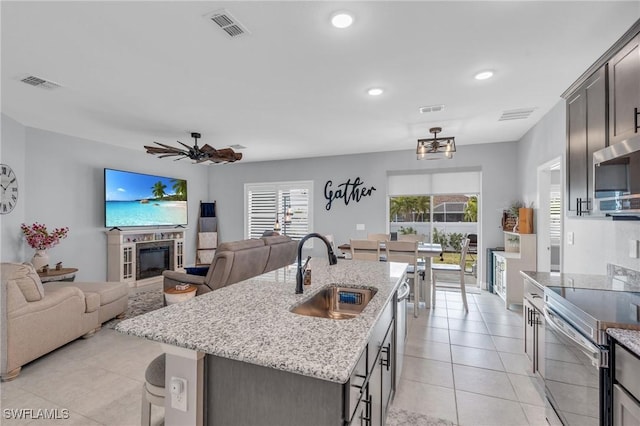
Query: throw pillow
(26, 278)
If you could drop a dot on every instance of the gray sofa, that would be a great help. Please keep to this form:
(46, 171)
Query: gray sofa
(37, 318)
(237, 261)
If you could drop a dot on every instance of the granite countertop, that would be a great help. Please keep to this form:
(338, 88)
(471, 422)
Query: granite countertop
(595, 282)
(250, 321)
(630, 339)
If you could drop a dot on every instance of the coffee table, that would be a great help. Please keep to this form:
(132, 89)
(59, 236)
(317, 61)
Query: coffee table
(173, 295)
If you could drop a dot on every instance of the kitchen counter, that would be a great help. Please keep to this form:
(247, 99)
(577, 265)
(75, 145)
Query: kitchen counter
(630, 339)
(587, 281)
(250, 321)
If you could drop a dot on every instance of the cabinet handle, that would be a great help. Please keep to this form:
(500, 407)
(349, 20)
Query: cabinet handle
(386, 362)
(636, 113)
(363, 381)
(367, 413)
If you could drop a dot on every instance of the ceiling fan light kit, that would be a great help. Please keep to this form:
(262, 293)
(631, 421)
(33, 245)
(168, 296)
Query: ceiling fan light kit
(436, 148)
(196, 153)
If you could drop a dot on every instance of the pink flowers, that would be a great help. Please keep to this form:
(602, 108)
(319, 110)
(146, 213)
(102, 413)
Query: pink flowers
(40, 239)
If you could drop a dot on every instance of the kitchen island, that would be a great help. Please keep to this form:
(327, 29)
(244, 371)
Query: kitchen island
(245, 338)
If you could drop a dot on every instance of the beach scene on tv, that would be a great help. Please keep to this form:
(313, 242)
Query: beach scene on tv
(134, 199)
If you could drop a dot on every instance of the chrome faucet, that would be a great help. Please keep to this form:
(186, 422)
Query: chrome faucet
(332, 258)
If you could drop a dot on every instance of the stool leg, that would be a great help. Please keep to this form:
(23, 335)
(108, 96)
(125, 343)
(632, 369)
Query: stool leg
(145, 419)
(433, 288)
(463, 291)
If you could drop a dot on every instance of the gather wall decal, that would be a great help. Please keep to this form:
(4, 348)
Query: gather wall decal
(347, 191)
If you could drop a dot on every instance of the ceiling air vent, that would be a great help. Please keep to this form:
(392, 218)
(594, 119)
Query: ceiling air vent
(516, 114)
(34, 81)
(237, 146)
(228, 23)
(431, 108)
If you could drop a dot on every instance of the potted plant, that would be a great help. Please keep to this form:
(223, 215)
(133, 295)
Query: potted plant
(510, 216)
(40, 239)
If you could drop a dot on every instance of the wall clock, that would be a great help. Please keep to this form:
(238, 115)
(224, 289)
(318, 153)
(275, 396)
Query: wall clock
(9, 183)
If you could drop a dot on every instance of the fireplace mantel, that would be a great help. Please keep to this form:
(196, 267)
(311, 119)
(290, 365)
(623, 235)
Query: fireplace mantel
(122, 252)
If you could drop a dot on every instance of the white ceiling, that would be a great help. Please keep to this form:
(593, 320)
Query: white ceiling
(137, 72)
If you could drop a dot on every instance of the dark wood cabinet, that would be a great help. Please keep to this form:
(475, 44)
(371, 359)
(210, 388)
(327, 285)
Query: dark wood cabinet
(624, 92)
(586, 133)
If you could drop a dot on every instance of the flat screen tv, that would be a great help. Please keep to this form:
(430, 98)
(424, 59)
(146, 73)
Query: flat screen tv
(136, 199)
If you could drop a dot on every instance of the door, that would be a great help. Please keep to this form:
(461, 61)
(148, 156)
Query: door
(549, 216)
(624, 92)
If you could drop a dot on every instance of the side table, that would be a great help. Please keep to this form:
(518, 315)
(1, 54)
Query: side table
(63, 274)
(173, 295)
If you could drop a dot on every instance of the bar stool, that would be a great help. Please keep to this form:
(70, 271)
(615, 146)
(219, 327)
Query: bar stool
(153, 388)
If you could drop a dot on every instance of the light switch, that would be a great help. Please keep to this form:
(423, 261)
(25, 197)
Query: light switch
(633, 249)
(360, 227)
(570, 238)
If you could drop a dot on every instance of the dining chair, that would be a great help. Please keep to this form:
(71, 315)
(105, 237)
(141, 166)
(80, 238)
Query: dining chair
(411, 237)
(379, 237)
(444, 268)
(365, 249)
(407, 252)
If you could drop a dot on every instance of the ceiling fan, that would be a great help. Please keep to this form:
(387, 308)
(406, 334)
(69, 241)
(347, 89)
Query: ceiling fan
(196, 153)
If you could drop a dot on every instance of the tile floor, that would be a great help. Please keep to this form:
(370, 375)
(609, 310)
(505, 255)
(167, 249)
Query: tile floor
(469, 369)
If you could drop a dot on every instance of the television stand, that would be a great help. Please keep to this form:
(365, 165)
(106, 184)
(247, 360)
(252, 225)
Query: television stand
(124, 247)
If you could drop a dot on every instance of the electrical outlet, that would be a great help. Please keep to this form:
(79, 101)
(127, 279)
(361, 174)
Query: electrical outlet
(178, 391)
(633, 249)
(570, 238)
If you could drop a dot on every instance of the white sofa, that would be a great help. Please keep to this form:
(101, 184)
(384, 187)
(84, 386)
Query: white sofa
(37, 318)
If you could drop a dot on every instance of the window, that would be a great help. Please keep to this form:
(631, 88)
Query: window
(555, 215)
(265, 203)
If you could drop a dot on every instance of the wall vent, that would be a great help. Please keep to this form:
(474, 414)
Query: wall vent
(34, 81)
(237, 146)
(228, 23)
(431, 108)
(516, 114)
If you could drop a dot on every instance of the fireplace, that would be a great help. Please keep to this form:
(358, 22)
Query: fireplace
(153, 258)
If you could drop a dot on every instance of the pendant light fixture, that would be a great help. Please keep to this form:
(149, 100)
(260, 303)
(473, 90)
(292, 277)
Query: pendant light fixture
(436, 148)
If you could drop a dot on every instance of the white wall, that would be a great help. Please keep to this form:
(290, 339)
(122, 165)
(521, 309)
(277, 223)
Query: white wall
(62, 185)
(12, 153)
(494, 160)
(596, 241)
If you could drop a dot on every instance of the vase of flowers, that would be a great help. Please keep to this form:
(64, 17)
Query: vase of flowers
(40, 239)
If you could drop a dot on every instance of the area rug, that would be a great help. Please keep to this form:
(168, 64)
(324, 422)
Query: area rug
(400, 417)
(140, 303)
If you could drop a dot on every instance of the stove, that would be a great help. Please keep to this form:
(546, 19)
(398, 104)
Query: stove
(577, 376)
(592, 311)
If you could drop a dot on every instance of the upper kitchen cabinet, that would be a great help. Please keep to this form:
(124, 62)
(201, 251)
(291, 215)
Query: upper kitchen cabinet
(603, 108)
(586, 133)
(624, 92)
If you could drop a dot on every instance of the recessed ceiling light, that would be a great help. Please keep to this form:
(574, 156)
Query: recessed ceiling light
(483, 75)
(375, 91)
(341, 19)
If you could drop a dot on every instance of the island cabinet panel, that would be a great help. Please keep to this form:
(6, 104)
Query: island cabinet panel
(239, 393)
(624, 92)
(248, 394)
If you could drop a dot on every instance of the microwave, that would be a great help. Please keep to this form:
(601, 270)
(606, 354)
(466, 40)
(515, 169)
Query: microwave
(616, 178)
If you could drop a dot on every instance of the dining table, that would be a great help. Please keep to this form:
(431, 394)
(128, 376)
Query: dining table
(425, 251)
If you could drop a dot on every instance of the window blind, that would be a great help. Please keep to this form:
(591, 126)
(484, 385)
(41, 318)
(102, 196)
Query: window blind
(266, 202)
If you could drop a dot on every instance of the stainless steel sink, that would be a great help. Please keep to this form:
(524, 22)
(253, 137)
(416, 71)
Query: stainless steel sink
(336, 302)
